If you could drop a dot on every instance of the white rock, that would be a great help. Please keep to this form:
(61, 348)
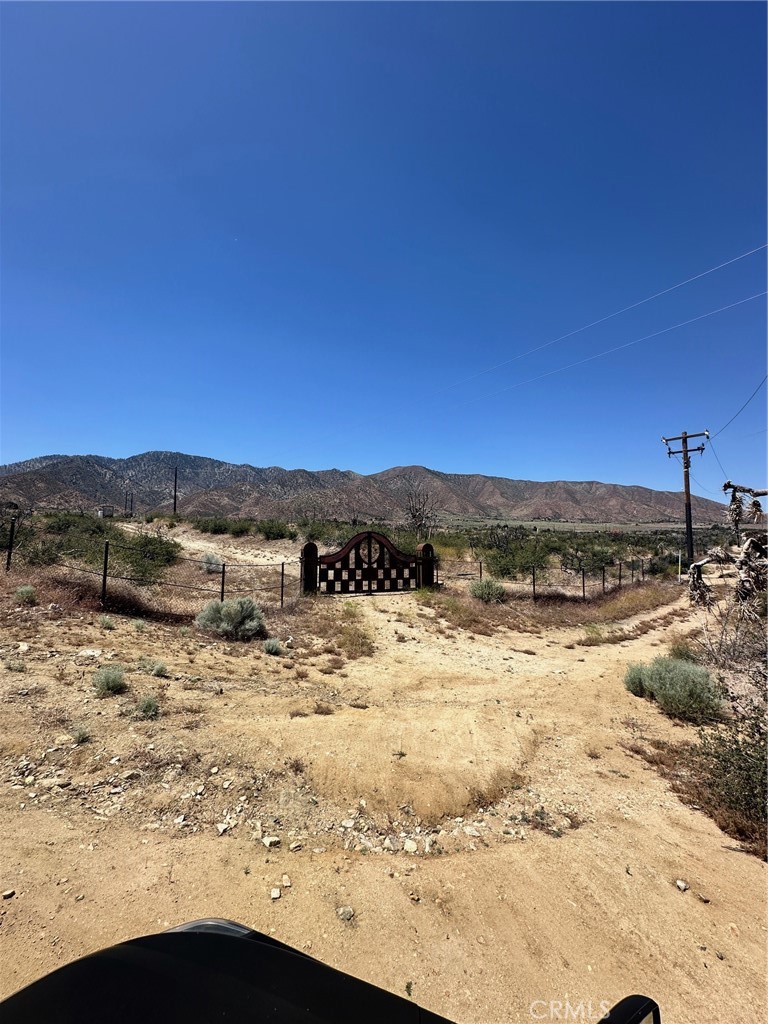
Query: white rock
(345, 913)
(275, 894)
(410, 846)
(681, 885)
(286, 882)
(270, 841)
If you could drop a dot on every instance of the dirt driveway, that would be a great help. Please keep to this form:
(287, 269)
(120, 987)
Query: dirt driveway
(386, 780)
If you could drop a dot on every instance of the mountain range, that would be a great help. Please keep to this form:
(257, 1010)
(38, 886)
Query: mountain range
(210, 487)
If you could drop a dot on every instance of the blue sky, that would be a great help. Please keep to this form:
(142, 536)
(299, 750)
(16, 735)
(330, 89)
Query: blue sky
(300, 235)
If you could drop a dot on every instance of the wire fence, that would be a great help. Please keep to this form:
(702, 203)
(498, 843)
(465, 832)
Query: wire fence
(178, 587)
(123, 576)
(553, 580)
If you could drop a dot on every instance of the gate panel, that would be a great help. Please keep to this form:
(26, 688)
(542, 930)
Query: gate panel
(368, 563)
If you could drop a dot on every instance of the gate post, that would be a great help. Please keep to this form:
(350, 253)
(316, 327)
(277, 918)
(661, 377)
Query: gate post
(309, 568)
(425, 566)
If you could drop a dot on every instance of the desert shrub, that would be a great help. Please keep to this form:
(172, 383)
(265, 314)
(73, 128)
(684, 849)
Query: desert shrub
(239, 527)
(26, 594)
(110, 680)
(15, 665)
(149, 708)
(139, 625)
(633, 680)
(81, 735)
(160, 670)
(488, 591)
(681, 689)
(215, 525)
(105, 622)
(731, 761)
(272, 646)
(211, 564)
(356, 641)
(239, 619)
(681, 650)
(273, 529)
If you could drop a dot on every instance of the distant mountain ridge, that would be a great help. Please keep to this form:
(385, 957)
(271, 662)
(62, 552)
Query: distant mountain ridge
(210, 487)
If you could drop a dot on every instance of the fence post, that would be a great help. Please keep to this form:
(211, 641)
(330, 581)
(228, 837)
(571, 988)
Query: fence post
(533, 570)
(632, 568)
(223, 574)
(282, 583)
(11, 534)
(309, 574)
(104, 575)
(583, 584)
(481, 569)
(620, 565)
(603, 579)
(642, 570)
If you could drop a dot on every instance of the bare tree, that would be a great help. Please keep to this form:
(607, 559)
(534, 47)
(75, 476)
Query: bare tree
(420, 510)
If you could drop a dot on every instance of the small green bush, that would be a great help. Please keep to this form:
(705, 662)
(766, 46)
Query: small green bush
(26, 595)
(211, 564)
(160, 670)
(139, 625)
(732, 765)
(274, 529)
(110, 680)
(15, 665)
(633, 680)
(488, 591)
(149, 708)
(106, 622)
(81, 735)
(680, 688)
(239, 619)
(239, 528)
(272, 646)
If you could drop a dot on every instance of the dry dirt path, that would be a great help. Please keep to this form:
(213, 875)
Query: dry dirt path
(493, 929)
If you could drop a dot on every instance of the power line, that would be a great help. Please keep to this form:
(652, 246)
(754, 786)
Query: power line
(741, 410)
(603, 319)
(698, 482)
(718, 460)
(618, 348)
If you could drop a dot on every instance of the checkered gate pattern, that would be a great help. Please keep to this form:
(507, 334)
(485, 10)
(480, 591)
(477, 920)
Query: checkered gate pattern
(369, 563)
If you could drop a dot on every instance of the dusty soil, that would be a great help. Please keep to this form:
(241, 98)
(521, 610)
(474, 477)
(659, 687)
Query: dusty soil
(467, 795)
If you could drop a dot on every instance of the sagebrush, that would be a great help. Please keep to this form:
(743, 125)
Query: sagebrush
(681, 689)
(238, 619)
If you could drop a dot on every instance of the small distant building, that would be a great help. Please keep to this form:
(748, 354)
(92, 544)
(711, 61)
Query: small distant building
(105, 511)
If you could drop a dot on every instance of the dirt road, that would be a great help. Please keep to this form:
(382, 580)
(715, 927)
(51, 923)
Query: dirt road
(561, 890)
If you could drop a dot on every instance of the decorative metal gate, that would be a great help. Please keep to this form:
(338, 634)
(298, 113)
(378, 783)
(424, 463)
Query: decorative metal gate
(368, 564)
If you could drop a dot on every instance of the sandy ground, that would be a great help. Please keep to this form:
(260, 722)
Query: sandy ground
(563, 890)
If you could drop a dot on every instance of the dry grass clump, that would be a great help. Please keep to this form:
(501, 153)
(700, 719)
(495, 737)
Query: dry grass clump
(457, 608)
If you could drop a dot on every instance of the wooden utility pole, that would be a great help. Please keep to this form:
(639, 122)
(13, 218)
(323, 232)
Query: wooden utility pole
(175, 485)
(685, 452)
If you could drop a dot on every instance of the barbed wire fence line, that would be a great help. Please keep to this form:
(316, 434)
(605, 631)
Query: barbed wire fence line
(179, 585)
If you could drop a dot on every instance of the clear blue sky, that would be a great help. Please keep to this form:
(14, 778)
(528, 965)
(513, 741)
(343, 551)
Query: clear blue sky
(283, 234)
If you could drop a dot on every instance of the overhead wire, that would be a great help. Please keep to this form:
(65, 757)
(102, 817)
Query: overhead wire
(618, 348)
(741, 410)
(717, 459)
(603, 319)
(697, 482)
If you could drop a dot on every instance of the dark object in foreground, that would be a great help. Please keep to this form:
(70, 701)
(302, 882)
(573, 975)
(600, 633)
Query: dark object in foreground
(221, 971)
